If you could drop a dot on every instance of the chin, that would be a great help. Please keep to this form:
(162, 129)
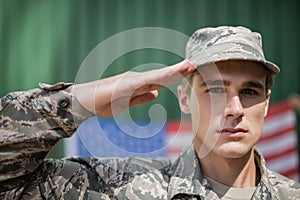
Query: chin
(233, 150)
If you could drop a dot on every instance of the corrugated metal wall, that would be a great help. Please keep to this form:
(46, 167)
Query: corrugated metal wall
(46, 41)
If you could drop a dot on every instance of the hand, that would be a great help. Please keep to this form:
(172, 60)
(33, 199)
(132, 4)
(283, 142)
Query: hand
(294, 101)
(111, 96)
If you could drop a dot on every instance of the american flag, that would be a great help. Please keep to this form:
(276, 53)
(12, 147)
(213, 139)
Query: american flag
(278, 143)
(105, 138)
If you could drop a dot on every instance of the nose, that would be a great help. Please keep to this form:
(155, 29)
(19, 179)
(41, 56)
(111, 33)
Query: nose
(234, 108)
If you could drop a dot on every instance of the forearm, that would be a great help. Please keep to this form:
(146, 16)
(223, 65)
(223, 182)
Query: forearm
(32, 123)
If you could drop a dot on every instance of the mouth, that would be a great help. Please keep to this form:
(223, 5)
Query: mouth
(233, 132)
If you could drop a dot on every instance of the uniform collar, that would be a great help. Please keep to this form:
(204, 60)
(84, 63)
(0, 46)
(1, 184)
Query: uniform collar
(265, 188)
(187, 177)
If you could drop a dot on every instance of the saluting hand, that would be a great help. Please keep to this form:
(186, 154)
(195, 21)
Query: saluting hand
(111, 96)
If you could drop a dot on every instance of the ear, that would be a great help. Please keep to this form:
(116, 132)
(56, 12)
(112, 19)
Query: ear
(268, 95)
(184, 100)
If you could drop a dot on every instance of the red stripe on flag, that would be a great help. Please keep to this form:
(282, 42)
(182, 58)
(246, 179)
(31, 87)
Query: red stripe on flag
(280, 154)
(275, 135)
(174, 151)
(174, 126)
(291, 172)
(285, 131)
(278, 108)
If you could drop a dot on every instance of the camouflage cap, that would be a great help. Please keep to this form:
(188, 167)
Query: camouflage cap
(209, 45)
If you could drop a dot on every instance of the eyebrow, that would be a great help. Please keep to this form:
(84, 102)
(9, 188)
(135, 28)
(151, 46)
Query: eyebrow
(220, 82)
(216, 82)
(254, 84)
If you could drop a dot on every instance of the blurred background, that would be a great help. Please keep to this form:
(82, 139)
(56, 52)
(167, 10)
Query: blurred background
(47, 41)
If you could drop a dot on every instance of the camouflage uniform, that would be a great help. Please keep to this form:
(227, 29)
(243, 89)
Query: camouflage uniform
(33, 122)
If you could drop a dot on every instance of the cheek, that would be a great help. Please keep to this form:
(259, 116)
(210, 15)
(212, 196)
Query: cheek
(256, 116)
(199, 105)
(258, 111)
(203, 109)
(208, 107)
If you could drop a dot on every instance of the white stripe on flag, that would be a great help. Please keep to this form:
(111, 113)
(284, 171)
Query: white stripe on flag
(289, 162)
(179, 140)
(274, 145)
(279, 140)
(278, 122)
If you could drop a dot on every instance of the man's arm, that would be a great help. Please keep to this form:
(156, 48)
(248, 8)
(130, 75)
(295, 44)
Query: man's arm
(111, 96)
(32, 122)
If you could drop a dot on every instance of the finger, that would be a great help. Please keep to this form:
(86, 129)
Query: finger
(156, 79)
(143, 99)
(142, 83)
(184, 67)
(146, 89)
(172, 74)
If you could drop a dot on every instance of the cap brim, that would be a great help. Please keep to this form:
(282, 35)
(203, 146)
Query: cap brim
(274, 68)
(269, 65)
(231, 51)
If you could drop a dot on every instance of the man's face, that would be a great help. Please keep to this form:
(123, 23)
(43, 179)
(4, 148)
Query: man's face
(227, 106)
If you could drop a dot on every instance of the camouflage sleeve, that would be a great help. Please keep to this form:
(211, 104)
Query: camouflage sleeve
(32, 122)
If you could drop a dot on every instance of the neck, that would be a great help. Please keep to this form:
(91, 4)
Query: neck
(233, 172)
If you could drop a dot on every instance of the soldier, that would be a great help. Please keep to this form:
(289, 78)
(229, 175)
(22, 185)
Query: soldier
(226, 92)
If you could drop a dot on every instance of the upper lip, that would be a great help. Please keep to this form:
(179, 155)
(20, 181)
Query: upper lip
(233, 130)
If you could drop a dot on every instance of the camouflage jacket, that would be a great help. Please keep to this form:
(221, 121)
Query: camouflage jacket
(33, 122)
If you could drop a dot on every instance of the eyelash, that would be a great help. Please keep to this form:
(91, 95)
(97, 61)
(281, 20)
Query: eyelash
(218, 90)
(249, 92)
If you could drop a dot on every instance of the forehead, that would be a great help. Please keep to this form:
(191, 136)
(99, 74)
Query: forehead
(235, 69)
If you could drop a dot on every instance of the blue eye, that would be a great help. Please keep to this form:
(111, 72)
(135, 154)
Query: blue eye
(216, 90)
(249, 92)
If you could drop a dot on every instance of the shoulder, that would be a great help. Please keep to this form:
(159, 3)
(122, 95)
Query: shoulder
(105, 167)
(111, 176)
(284, 186)
(131, 164)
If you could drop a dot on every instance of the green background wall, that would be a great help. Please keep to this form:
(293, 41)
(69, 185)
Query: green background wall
(46, 41)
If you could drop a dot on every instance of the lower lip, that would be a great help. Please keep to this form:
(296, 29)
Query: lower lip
(233, 134)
